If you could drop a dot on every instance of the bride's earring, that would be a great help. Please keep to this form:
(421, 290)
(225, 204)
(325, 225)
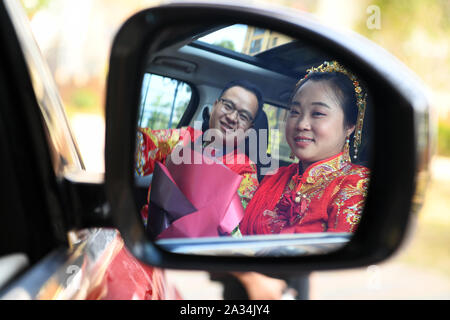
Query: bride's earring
(347, 148)
(292, 156)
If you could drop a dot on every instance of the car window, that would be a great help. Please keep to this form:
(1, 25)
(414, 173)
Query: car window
(276, 117)
(163, 101)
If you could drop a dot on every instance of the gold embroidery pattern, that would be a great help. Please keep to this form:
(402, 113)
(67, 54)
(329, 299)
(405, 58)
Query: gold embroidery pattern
(140, 160)
(247, 188)
(346, 198)
(353, 214)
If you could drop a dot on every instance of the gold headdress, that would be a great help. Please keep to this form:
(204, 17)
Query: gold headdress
(334, 66)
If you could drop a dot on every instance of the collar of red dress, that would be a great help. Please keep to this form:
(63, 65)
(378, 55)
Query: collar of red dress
(322, 168)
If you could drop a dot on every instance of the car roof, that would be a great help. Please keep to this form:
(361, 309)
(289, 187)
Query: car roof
(274, 71)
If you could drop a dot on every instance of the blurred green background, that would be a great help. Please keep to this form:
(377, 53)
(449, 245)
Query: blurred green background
(415, 31)
(75, 37)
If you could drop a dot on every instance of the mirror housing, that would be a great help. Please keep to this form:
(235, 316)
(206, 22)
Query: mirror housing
(401, 143)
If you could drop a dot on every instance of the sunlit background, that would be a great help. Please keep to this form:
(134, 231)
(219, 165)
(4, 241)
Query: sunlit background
(75, 37)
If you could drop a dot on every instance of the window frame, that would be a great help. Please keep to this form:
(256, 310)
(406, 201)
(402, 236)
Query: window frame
(192, 106)
(282, 161)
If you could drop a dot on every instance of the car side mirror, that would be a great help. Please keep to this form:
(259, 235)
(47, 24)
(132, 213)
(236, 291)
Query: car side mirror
(398, 125)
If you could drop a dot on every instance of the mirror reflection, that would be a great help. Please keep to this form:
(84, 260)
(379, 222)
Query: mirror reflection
(250, 142)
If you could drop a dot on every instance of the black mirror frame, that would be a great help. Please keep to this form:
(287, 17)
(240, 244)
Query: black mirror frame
(402, 140)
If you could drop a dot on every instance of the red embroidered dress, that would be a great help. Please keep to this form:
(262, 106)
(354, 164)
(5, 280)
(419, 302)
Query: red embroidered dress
(156, 145)
(328, 197)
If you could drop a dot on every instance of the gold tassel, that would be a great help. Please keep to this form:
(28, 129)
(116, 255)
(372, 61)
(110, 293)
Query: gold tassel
(347, 149)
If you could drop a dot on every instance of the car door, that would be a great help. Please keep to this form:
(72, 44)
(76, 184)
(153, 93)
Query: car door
(44, 254)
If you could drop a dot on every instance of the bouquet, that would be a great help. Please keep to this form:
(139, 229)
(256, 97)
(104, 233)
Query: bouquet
(193, 200)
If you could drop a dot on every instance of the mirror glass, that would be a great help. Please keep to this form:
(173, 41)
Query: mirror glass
(236, 156)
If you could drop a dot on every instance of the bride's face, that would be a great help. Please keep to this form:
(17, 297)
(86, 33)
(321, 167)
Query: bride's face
(315, 128)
